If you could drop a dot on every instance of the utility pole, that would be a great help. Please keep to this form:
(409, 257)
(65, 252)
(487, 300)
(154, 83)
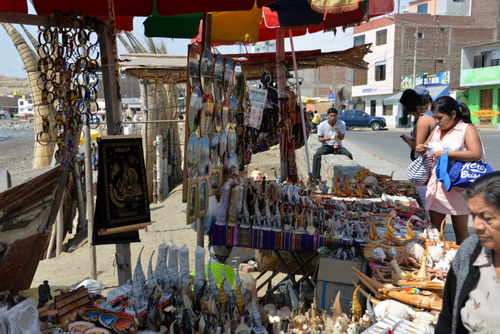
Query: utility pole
(414, 80)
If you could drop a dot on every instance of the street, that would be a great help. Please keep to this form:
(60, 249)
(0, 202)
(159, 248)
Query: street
(387, 145)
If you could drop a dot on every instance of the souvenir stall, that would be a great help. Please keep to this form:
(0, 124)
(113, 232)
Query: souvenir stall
(290, 215)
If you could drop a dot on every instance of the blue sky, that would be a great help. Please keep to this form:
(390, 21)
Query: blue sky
(12, 66)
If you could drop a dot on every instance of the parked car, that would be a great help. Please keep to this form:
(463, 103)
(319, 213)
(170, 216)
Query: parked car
(355, 118)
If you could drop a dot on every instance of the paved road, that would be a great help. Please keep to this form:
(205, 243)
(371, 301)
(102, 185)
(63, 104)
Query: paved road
(388, 146)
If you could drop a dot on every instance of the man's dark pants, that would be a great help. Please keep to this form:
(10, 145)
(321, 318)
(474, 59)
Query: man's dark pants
(324, 150)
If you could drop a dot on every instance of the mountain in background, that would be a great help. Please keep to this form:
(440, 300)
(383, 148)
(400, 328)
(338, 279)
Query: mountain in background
(10, 85)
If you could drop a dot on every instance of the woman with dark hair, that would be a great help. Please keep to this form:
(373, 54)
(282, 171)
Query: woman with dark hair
(462, 143)
(417, 103)
(472, 287)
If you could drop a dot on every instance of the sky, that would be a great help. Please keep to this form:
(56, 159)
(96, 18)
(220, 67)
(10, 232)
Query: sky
(11, 64)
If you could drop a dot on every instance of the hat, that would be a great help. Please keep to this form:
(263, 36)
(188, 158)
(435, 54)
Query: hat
(442, 171)
(421, 91)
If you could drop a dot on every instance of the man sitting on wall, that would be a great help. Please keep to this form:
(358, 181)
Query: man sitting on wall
(330, 135)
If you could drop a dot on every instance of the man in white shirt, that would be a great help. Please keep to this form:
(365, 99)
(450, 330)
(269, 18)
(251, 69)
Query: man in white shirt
(330, 135)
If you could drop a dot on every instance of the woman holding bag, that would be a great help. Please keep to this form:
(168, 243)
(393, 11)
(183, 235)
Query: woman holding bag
(417, 103)
(451, 119)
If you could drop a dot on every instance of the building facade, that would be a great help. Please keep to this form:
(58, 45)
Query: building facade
(419, 45)
(480, 73)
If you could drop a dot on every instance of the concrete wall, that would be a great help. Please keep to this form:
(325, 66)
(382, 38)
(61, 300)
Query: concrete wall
(331, 165)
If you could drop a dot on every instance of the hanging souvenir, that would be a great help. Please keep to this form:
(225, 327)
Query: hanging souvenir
(219, 78)
(218, 116)
(225, 160)
(232, 112)
(206, 70)
(239, 83)
(225, 113)
(233, 161)
(214, 149)
(194, 64)
(204, 158)
(228, 78)
(195, 107)
(223, 142)
(231, 142)
(193, 156)
(208, 113)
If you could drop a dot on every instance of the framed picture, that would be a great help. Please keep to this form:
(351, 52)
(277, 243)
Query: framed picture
(215, 179)
(203, 194)
(192, 201)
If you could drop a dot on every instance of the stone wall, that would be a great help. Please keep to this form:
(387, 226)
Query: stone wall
(331, 165)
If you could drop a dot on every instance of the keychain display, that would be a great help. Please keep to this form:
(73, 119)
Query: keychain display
(68, 65)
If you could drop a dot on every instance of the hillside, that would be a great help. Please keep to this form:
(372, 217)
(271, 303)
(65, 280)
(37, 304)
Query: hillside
(9, 85)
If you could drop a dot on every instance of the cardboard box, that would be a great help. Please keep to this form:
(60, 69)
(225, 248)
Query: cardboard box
(334, 276)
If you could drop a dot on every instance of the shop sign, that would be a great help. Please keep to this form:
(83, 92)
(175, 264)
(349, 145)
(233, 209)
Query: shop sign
(485, 113)
(332, 98)
(437, 79)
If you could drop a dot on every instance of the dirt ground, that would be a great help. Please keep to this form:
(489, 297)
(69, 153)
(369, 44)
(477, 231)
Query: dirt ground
(168, 217)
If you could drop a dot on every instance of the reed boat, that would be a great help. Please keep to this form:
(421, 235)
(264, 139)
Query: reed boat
(27, 213)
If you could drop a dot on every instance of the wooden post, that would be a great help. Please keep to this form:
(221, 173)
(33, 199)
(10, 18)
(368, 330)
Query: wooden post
(281, 81)
(5, 180)
(59, 229)
(113, 120)
(82, 215)
(159, 167)
(89, 187)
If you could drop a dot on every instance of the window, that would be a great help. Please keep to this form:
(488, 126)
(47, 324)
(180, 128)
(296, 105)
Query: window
(387, 110)
(380, 71)
(420, 35)
(349, 113)
(422, 9)
(359, 40)
(360, 77)
(359, 113)
(381, 37)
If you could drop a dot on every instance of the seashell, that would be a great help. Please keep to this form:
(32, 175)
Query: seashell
(242, 328)
(391, 307)
(378, 254)
(271, 309)
(284, 312)
(436, 253)
(416, 249)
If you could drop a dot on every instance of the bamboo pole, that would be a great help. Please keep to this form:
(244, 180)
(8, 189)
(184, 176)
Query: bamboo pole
(89, 187)
(82, 215)
(60, 229)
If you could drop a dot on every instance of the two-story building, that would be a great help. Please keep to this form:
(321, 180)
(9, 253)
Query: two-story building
(422, 47)
(480, 73)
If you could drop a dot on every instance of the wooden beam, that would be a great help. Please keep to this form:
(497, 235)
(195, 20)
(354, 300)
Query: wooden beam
(35, 20)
